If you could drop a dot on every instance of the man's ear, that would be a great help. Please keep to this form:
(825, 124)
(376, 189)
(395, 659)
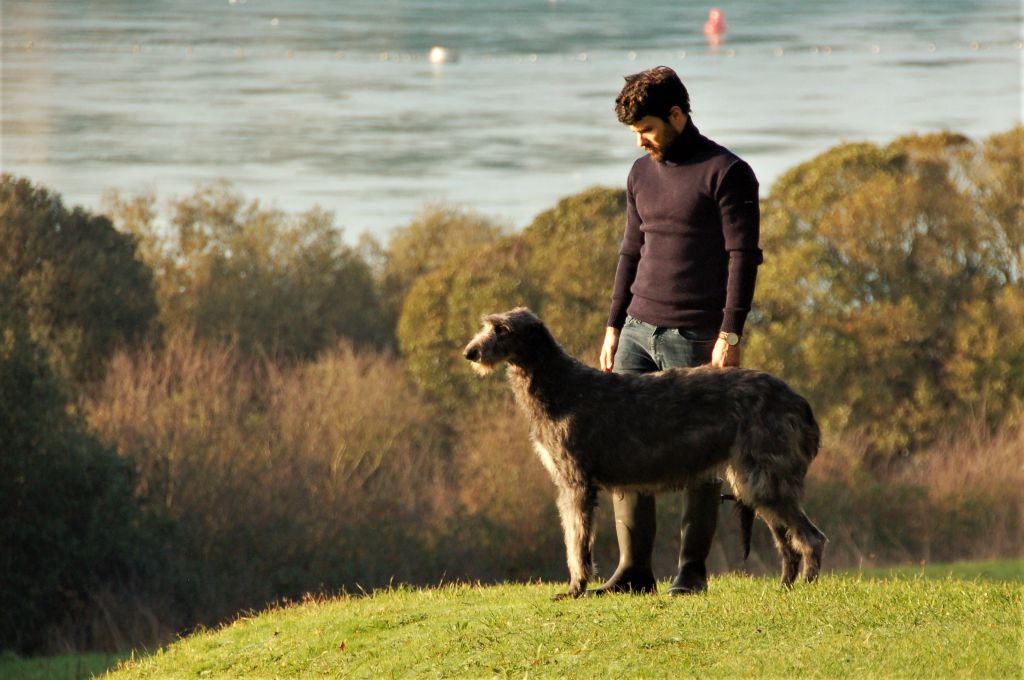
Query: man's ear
(677, 119)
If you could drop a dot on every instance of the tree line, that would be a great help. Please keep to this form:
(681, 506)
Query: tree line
(207, 403)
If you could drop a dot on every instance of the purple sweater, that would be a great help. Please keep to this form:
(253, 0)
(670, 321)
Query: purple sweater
(689, 253)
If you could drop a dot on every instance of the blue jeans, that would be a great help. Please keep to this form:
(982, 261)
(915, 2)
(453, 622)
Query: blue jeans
(644, 348)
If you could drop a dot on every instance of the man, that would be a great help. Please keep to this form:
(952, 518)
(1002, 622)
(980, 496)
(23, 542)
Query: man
(682, 291)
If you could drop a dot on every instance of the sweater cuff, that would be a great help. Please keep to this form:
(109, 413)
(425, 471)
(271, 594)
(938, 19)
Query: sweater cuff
(733, 320)
(617, 317)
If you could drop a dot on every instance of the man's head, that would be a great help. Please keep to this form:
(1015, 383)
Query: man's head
(655, 105)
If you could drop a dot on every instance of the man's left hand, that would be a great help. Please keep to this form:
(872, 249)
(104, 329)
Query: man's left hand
(725, 354)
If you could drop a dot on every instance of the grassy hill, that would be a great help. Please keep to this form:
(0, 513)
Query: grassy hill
(904, 625)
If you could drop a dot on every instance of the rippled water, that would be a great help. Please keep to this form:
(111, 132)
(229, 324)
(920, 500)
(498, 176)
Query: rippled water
(335, 102)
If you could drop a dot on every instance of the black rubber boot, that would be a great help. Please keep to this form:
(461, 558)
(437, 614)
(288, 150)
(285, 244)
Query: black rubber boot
(635, 525)
(700, 519)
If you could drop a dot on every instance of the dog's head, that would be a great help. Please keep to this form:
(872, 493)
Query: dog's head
(502, 337)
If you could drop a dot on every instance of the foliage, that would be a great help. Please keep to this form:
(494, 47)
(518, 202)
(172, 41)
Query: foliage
(561, 266)
(69, 521)
(743, 627)
(281, 478)
(231, 270)
(434, 236)
(443, 311)
(82, 288)
(887, 296)
(574, 252)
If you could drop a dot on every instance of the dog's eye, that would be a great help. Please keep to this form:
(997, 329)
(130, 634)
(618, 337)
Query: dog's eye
(500, 330)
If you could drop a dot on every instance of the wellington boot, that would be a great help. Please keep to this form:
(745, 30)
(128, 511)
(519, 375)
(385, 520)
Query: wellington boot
(700, 519)
(635, 526)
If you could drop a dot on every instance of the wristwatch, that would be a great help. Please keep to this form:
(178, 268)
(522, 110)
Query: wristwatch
(731, 339)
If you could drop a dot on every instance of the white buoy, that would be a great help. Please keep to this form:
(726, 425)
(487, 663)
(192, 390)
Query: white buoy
(441, 55)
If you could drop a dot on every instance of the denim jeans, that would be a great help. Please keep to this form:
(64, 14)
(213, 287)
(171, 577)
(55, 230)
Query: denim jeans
(644, 348)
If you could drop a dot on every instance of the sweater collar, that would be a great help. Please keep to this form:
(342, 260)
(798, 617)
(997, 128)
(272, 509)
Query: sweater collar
(683, 146)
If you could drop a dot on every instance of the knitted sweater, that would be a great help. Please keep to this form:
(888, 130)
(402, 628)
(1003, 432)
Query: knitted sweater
(689, 254)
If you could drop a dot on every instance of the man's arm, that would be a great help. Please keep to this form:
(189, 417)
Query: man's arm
(625, 272)
(741, 224)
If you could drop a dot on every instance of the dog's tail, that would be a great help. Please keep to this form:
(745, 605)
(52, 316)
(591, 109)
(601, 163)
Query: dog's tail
(746, 514)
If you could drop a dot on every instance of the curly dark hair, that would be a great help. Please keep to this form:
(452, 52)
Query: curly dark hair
(651, 93)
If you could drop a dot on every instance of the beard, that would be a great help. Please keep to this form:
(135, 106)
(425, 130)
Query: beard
(658, 151)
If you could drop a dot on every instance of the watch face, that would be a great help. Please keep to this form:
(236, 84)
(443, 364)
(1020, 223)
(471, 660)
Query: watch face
(732, 339)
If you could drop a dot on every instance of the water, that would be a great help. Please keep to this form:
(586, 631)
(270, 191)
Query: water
(334, 103)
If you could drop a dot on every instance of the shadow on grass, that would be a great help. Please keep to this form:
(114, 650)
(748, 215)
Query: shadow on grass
(69, 667)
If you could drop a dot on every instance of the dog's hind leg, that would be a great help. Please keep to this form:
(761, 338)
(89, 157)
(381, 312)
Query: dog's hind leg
(790, 557)
(810, 541)
(797, 539)
(576, 509)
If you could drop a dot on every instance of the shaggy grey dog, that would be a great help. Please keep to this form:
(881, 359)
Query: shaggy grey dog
(656, 432)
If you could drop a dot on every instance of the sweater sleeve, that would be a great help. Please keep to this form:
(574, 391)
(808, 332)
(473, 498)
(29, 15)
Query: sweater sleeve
(741, 222)
(629, 258)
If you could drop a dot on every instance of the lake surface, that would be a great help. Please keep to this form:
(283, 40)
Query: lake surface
(335, 103)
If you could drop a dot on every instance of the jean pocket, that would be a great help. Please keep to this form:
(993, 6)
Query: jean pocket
(630, 321)
(700, 335)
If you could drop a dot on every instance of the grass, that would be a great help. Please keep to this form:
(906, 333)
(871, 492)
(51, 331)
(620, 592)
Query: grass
(874, 625)
(993, 570)
(69, 667)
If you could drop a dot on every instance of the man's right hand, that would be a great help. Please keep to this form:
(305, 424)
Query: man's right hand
(611, 343)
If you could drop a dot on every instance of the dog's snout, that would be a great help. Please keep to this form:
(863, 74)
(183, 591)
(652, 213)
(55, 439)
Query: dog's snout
(471, 353)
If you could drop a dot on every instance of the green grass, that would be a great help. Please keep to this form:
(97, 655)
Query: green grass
(993, 570)
(70, 667)
(842, 626)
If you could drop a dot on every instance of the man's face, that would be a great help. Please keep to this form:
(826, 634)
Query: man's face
(655, 135)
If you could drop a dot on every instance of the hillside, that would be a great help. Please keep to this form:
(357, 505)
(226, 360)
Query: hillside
(907, 626)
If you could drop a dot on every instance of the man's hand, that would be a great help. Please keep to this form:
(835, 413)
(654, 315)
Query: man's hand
(725, 354)
(611, 343)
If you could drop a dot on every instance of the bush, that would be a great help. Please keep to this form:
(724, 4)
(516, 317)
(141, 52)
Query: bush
(282, 478)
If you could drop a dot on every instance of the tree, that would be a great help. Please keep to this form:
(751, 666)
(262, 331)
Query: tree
(574, 252)
(561, 266)
(228, 269)
(70, 525)
(436, 235)
(443, 311)
(877, 263)
(82, 288)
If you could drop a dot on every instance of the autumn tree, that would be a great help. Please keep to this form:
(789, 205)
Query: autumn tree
(891, 287)
(82, 287)
(437, 234)
(231, 269)
(560, 266)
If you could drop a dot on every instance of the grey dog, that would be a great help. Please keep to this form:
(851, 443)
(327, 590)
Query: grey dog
(656, 432)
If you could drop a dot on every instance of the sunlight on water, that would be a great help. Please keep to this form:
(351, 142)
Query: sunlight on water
(341, 105)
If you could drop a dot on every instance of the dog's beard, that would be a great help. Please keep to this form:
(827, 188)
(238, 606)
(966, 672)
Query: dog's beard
(482, 370)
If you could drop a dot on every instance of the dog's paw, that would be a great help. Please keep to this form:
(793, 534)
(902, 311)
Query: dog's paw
(576, 590)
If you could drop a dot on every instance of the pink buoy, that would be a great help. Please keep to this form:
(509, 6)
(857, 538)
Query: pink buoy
(715, 25)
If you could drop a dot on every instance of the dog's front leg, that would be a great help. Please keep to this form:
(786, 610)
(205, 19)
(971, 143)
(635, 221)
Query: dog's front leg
(576, 508)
